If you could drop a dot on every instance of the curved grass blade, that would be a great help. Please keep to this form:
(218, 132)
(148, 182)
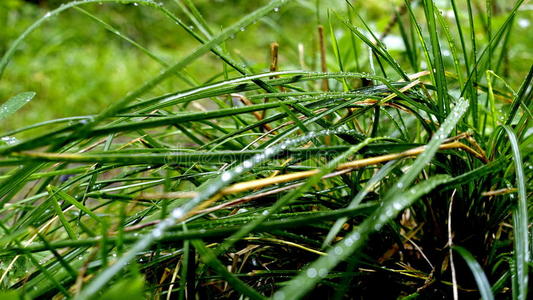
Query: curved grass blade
(481, 279)
(520, 223)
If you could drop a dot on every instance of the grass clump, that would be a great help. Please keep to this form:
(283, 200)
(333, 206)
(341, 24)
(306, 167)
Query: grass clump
(390, 173)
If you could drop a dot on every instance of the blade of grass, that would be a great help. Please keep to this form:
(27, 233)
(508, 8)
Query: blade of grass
(520, 223)
(481, 279)
(53, 198)
(66, 197)
(15, 103)
(440, 78)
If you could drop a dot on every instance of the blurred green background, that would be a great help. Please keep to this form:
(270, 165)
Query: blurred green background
(77, 67)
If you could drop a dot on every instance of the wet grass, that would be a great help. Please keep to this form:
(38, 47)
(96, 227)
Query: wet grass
(343, 168)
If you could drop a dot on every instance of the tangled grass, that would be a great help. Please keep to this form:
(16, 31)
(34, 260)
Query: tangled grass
(403, 181)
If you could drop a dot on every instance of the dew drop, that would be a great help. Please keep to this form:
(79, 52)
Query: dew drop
(338, 250)
(388, 212)
(226, 176)
(247, 164)
(322, 272)
(311, 273)
(276, 9)
(157, 233)
(177, 213)
(348, 242)
(168, 222)
(397, 205)
(9, 140)
(269, 151)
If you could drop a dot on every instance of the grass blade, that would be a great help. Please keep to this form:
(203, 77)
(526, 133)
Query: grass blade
(520, 223)
(481, 279)
(15, 103)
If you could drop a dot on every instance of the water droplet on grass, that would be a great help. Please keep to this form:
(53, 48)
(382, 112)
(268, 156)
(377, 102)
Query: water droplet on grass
(9, 140)
(157, 233)
(226, 176)
(348, 242)
(322, 272)
(389, 212)
(247, 164)
(177, 213)
(311, 273)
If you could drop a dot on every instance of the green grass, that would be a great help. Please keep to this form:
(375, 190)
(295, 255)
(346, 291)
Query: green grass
(135, 161)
